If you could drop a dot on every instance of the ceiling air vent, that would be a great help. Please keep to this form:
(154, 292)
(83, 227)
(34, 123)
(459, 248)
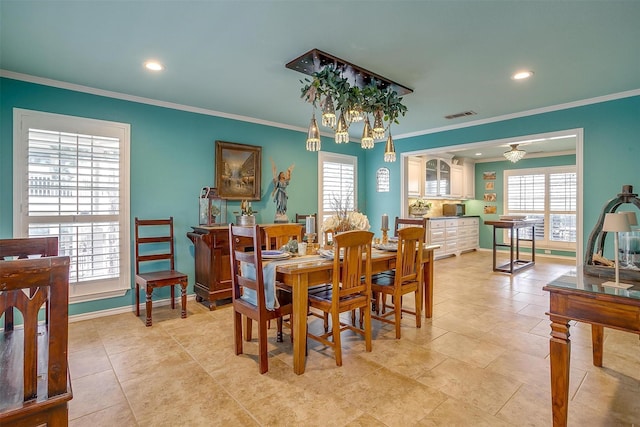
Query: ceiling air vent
(458, 115)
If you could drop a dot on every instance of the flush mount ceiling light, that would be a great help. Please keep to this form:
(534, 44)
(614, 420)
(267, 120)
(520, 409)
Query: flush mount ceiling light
(347, 94)
(520, 75)
(514, 154)
(153, 66)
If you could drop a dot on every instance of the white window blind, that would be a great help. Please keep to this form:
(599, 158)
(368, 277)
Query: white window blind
(74, 185)
(548, 194)
(338, 177)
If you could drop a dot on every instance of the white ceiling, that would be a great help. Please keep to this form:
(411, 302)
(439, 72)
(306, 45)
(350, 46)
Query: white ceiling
(229, 56)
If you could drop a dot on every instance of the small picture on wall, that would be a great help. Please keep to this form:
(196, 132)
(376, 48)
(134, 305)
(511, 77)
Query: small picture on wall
(489, 197)
(489, 186)
(490, 209)
(489, 176)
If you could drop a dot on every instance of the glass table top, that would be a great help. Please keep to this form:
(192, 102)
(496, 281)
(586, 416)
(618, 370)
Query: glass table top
(576, 279)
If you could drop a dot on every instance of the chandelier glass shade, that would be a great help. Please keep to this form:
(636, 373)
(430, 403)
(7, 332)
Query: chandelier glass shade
(514, 154)
(313, 137)
(367, 135)
(328, 113)
(389, 150)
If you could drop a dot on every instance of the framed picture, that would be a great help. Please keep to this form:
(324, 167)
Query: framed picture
(238, 171)
(489, 210)
(489, 186)
(489, 197)
(487, 176)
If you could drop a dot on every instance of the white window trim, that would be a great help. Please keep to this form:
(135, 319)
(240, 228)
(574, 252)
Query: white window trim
(546, 244)
(22, 120)
(324, 156)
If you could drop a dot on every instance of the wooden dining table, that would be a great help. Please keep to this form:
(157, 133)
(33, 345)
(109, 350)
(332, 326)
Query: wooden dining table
(313, 270)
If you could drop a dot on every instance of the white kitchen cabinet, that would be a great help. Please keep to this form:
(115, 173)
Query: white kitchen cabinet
(457, 181)
(414, 176)
(469, 179)
(454, 235)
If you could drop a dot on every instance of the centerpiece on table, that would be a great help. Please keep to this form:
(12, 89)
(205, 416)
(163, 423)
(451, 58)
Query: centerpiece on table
(344, 220)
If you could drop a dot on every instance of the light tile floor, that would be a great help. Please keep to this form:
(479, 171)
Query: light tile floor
(481, 361)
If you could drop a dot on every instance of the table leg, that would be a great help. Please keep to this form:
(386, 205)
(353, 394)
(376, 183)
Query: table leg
(560, 353)
(495, 248)
(511, 250)
(597, 340)
(427, 278)
(300, 306)
(533, 244)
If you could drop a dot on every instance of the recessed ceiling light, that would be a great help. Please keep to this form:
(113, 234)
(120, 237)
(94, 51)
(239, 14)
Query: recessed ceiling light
(522, 75)
(478, 154)
(153, 66)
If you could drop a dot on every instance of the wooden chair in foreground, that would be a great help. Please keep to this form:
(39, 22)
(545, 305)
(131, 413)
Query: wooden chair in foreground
(409, 222)
(351, 289)
(24, 248)
(406, 278)
(35, 386)
(238, 237)
(154, 246)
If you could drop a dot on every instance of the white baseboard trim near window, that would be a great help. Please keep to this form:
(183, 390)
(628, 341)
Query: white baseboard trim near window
(124, 309)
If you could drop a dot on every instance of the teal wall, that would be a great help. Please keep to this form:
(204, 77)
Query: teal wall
(610, 158)
(172, 158)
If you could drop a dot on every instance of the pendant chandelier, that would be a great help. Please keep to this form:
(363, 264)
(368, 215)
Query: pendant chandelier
(514, 154)
(348, 94)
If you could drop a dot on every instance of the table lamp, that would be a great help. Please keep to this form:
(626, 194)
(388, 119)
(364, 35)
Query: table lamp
(615, 222)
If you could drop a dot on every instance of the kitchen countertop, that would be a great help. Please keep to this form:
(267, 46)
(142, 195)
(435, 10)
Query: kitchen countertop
(435, 218)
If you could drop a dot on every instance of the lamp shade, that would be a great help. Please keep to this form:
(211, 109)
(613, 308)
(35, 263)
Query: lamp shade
(514, 154)
(615, 222)
(631, 217)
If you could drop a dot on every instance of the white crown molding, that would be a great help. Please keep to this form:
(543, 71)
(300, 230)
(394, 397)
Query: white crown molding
(181, 107)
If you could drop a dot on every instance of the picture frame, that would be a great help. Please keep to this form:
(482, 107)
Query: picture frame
(489, 197)
(490, 175)
(489, 186)
(490, 210)
(238, 170)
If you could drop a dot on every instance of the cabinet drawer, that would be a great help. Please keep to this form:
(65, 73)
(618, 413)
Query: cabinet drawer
(452, 234)
(468, 222)
(451, 223)
(436, 237)
(435, 224)
(451, 246)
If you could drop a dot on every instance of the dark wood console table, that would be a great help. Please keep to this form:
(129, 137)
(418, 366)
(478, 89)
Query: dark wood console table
(212, 265)
(581, 297)
(515, 264)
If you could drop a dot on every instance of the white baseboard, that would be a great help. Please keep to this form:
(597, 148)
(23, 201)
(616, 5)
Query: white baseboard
(123, 309)
(506, 252)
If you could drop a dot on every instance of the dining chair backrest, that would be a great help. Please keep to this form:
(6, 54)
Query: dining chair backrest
(350, 249)
(240, 237)
(154, 243)
(276, 236)
(409, 222)
(25, 248)
(409, 262)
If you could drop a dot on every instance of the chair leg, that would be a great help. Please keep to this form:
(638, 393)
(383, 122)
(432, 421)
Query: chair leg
(367, 329)
(325, 321)
(262, 347)
(148, 305)
(247, 331)
(418, 309)
(237, 331)
(279, 326)
(137, 300)
(397, 306)
(183, 300)
(173, 297)
(337, 344)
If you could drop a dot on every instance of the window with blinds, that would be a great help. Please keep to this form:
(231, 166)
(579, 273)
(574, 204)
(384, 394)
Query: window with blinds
(548, 194)
(382, 180)
(338, 178)
(74, 186)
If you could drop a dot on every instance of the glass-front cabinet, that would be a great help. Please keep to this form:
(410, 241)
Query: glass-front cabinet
(437, 178)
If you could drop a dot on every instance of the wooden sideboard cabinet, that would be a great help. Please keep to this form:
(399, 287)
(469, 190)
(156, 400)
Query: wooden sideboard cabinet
(212, 265)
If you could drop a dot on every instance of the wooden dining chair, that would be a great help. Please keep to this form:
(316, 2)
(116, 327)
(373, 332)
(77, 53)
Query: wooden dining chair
(155, 252)
(25, 248)
(278, 235)
(406, 278)
(350, 290)
(239, 238)
(409, 222)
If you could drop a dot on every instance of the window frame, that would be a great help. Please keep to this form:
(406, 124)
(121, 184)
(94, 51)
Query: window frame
(23, 120)
(325, 156)
(545, 243)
